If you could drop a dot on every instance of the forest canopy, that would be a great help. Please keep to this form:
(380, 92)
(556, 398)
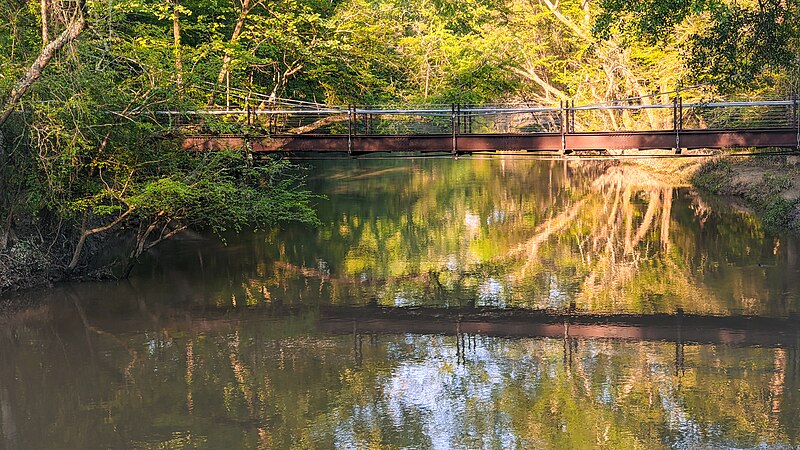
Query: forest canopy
(731, 43)
(374, 51)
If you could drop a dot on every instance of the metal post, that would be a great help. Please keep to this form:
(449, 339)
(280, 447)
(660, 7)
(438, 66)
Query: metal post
(454, 129)
(572, 118)
(227, 90)
(464, 118)
(680, 367)
(350, 114)
(355, 121)
(675, 113)
(462, 121)
(459, 118)
(796, 119)
(677, 121)
(563, 128)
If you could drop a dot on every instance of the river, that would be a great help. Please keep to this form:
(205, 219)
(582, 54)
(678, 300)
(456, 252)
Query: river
(440, 304)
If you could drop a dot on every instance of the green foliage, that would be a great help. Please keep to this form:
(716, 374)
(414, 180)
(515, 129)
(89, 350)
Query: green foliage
(774, 184)
(713, 176)
(779, 212)
(223, 191)
(765, 194)
(734, 45)
(84, 149)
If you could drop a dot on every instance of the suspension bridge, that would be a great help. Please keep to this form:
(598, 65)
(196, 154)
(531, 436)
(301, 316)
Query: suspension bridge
(642, 123)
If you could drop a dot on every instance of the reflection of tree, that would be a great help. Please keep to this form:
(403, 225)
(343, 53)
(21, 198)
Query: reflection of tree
(608, 397)
(424, 235)
(630, 264)
(521, 233)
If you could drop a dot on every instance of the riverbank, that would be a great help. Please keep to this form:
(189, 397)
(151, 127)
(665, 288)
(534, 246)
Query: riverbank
(769, 184)
(766, 184)
(31, 263)
(23, 266)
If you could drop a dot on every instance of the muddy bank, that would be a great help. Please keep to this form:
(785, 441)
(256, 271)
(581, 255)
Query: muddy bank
(25, 265)
(770, 185)
(33, 261)
(765, 183)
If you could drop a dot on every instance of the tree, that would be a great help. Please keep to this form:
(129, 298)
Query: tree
(86, 154)
(73, 29)
(737, 43)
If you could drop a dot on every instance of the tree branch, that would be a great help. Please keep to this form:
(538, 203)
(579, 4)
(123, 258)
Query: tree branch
(75, 28)
(532, 76)
(566, 21)
(227, 59)
(77, 253)
(318, 124)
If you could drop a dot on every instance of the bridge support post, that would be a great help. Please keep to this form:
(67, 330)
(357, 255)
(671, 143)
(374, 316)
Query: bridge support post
(563, 127)
(571, 117)
(454, 127)
(796, 120)
(227, 90)
(350, 128)
(462, 120)
(677, 120)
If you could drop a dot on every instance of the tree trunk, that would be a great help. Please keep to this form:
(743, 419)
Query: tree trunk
(45, 26)
(226, 60)
(176, 34)
(75, 28)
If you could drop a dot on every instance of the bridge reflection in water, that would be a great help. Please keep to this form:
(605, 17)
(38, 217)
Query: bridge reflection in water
(630, 124)
(162, 375)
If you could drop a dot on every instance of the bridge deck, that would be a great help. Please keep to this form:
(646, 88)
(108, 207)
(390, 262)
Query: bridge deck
(469, 143)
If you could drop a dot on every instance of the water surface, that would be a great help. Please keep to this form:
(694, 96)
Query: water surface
(251, 344)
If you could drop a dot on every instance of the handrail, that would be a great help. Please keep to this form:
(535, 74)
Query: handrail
(469, 110)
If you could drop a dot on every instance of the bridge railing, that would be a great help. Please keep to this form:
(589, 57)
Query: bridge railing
(742, 115)
(621, 116)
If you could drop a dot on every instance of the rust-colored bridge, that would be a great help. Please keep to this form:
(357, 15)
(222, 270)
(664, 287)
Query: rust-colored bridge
(642, 140)
(625, 125)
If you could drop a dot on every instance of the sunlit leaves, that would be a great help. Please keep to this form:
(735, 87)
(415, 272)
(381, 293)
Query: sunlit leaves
(742, 42)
